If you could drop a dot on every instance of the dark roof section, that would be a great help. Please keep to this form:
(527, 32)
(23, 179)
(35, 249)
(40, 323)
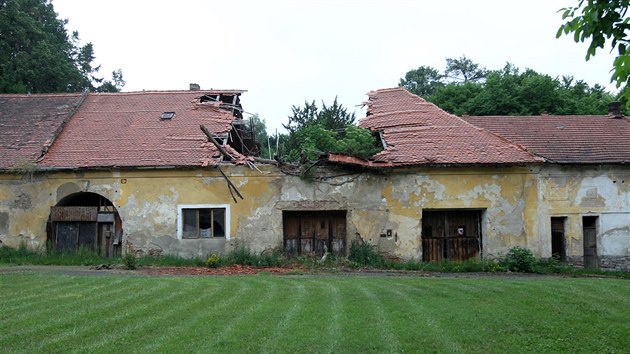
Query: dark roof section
(126, 130)
(565, 139)
(419, 133)
(30, 123)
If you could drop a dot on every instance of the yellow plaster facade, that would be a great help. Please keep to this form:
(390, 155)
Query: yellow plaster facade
(516, 204)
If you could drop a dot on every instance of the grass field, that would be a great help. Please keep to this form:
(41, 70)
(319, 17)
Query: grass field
(265, 313)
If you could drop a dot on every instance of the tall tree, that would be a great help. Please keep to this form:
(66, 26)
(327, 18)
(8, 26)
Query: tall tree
(313, 131)
(466, 88)
(38, 55)
(464, 70)
(423, 81)
(600, 21)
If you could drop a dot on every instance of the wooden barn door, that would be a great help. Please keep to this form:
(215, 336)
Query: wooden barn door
(453, 235)
(313, 232)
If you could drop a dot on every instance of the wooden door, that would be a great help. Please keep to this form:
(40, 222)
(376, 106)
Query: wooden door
(450, 235)
(589, 231)
(314, 232)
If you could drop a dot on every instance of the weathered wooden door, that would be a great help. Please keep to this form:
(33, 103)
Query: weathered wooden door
(72, 235)
(589, 231)
(314, 232)
(450, 235)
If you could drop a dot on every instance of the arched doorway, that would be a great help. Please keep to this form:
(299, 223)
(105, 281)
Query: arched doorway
(85, 221)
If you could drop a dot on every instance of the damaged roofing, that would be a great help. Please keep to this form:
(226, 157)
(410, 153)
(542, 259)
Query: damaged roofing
(128, 129)
(30, 123)
(565, 139)
(417, 132)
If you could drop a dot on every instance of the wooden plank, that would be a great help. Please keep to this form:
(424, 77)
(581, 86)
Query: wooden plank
(73, 213)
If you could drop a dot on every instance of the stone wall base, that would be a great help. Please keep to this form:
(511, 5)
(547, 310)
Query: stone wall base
(605, 262)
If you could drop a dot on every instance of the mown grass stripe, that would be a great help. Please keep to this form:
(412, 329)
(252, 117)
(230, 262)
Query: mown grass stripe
(90, 327)
(141, 306)
(206, 323)
(383, 321)
(18, 301)
(198, 312)
(420, 331)
(41, 318)
(220, 338)
(334, 329)
(337, 314)
(66, 318)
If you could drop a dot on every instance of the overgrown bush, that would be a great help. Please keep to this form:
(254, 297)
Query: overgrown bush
(213, 261)
(362, 253)
(519, 259)
(130, 261)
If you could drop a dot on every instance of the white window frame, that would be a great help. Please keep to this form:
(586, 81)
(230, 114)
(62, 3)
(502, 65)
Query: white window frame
(180, 217)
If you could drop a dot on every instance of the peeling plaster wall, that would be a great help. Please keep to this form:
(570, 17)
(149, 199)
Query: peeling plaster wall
(575, 192)
(147, 203)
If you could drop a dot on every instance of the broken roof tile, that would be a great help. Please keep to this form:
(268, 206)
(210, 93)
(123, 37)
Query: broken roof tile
(417, 132)
(30, 124)
(125, 130)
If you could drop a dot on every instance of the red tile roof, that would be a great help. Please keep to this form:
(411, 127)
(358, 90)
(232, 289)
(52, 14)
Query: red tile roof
(420, 133)
(29, 123)
(565, 139)
(125, 130)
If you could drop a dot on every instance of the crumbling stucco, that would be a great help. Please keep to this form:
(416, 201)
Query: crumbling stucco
(515, 203)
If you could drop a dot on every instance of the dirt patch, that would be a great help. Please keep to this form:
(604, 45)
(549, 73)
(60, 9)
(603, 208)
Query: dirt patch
(228, 270)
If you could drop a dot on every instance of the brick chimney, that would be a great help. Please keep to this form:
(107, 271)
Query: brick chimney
(614, 109)
(195, 87)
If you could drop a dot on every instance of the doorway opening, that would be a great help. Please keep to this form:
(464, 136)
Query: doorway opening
(558, 239)
(85, 221)
(589, 239)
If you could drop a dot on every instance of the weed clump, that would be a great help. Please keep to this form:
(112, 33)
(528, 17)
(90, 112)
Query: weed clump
(130, 261)
(520, 259)
(362, 253)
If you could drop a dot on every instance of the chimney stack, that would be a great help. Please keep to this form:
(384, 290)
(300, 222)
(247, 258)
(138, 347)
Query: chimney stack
(614, 109)
(195, 87)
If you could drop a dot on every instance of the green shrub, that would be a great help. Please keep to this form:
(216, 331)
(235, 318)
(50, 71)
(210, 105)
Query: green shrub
(363, 253)
(244, 256)
(551, 266)
(213, 261)
(520, 259)
(130, 261)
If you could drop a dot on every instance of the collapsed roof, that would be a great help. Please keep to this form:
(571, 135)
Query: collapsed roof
(418, 133)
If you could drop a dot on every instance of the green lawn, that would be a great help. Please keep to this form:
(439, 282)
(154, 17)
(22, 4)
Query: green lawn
(294, 314)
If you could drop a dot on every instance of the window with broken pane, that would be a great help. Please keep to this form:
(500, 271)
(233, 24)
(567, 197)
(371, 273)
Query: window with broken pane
(203, 223)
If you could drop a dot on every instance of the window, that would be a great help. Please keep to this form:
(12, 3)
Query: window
(203, 221)
(167, 115)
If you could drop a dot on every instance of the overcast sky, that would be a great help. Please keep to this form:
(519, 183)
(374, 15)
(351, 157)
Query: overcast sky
(286, 52)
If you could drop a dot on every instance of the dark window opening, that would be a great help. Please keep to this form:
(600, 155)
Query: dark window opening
(203, 223)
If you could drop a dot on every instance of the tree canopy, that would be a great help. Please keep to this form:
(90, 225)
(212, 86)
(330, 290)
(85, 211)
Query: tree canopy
(37, 54)
(600, 21)
(507, 91)
(331, 129)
